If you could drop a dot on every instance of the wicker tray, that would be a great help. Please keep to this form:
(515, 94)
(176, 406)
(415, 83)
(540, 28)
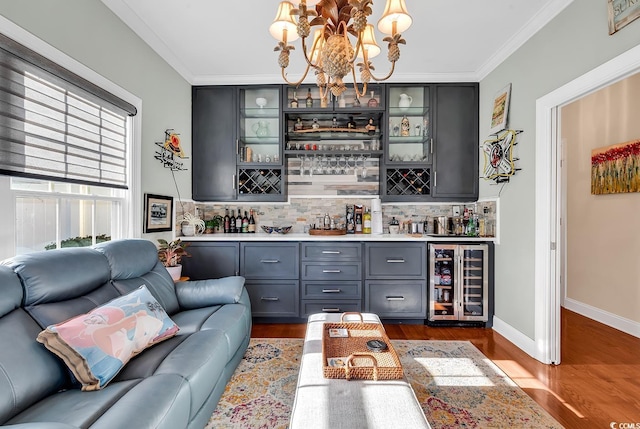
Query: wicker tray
(327, 231)
(359, 362)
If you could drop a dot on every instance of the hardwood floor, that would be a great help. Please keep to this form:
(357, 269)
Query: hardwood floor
(597, 383)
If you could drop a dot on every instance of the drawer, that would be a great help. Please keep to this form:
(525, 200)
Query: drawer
(396, 300)
(274, 298)
(331, 271)
(331, 290)
(331, 251)
(269, 260)
(339, 306)
(396, 261)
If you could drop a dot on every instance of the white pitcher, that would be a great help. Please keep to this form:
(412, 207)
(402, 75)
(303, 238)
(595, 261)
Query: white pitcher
(405, 101)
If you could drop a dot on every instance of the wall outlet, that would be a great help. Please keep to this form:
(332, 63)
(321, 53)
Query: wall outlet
(456, 210)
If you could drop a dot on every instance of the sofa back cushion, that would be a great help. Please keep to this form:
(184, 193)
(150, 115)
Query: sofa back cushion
(28, 371)
(134, 262)
(62, 283)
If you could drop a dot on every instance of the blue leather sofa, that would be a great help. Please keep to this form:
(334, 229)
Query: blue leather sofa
(174, 384)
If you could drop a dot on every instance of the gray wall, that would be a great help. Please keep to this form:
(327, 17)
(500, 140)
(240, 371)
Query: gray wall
(90, 33)
(573, 43)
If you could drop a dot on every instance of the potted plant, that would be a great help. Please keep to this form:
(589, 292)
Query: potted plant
(171, 254)
(191, 225)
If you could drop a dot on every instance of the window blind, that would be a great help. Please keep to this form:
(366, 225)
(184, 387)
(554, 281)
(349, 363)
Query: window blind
(55, 125)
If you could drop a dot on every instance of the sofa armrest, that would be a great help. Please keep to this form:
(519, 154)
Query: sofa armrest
(203, 293)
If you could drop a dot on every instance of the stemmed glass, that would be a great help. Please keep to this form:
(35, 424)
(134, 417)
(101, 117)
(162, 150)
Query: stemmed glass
(308, 165)
(325, 164)
(342, 163)
(351, 164)
(364, 166)
(333, 162)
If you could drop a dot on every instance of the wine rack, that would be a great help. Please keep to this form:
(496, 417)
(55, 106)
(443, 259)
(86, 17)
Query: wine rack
(259, 181)
(408, 181)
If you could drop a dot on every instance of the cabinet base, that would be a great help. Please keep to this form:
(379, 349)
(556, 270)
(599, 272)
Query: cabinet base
(457, 323)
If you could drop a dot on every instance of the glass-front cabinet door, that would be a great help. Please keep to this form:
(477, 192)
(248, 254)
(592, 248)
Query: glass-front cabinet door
(474, 280)
(443, 278)
(409, 150)
(259, 144)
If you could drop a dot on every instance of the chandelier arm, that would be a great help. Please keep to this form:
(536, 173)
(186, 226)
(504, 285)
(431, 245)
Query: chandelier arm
(304, 76)
(355, 84)
(377, 79)
(318, 65)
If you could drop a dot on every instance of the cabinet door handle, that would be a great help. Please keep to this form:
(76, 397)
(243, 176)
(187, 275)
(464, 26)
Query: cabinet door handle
(237, 146)
(331, 290)
(331, 310)
(395, 261)
(435, 179)
(395, 298)
(330, 252)
(269, 261)
(331, 271)
(431, 145)
(269, 298)
(234, 182)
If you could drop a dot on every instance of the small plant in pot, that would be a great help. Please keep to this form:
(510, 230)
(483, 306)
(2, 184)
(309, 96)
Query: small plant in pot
(171, 254)
(191, 225)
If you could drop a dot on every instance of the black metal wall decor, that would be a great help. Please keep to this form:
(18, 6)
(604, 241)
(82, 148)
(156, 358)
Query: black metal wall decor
(170, 152)
(499, 163)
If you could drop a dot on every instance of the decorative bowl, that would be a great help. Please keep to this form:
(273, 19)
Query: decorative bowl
(261, 102)
(276, 229)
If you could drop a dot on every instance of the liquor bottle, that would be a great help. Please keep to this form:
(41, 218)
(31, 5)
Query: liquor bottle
(372, 101)
(232, 223)
(245, 223)
(298, 125)
(366, 222)
(252, 222)
(350, 220)
(309, 100)
(294, 101)
(327, 221)
(225, 227)
(239, 221)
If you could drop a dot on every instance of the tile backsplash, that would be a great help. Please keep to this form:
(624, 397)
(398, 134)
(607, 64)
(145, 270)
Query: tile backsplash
(301, 212)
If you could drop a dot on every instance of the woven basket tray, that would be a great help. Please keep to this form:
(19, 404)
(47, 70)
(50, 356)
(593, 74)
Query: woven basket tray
(359, 362)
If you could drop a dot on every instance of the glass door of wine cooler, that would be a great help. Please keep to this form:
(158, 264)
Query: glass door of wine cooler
(443, 278)
(474, 281)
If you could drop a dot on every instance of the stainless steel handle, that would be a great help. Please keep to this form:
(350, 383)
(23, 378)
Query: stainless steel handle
(395, 261)
(269, 261)
(330, 252)
(269, 298)
(331, 271)
(331, 310)
(435, 179)
(234, 182)
(331, 290)
(237, 146)
(431, 145)
(395, 298)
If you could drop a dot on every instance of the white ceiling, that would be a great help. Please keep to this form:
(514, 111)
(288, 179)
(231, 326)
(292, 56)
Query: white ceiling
(228, 42)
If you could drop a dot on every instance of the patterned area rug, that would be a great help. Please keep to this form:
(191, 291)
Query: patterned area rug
(457, 386)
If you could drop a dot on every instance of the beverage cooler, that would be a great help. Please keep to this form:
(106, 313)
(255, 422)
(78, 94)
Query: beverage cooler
(458, 280)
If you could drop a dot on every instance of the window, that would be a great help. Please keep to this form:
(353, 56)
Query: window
(66, 145)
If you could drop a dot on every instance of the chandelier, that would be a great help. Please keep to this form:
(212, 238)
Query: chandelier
(342, 36)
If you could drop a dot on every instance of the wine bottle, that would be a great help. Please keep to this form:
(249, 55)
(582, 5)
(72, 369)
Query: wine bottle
(309, 100)
(294, 101)
(239, 222)
(232, 223)
(366, 221)
(226, 221)
(245, 223)
(252, 222)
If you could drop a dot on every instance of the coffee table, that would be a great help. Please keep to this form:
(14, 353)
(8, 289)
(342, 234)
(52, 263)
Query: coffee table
(354, 404)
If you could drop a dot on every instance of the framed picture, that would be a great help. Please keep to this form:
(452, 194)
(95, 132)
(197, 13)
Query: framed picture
(158, 213)
(500, 110)
(621, 13)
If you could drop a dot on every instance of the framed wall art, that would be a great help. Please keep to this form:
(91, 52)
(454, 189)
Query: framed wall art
(158, 213)
(621, 13)
(500, 111)
(616, 169)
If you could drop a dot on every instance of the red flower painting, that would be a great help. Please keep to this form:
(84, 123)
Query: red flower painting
(616, 169)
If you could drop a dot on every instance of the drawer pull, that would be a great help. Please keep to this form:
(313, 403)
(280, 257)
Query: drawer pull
(331, 310)
(330, 252)
(395, 298)
(332, 271)
(269, 298)
(269, 261)
(395, 261)
(331, 290)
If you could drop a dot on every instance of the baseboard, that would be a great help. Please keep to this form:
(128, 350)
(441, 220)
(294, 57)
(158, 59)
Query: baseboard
(628, 326)
(521, 341)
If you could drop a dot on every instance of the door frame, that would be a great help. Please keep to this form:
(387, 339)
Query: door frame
(549, 241)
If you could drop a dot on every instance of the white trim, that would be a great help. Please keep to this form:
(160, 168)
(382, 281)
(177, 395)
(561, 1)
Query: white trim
(623, 324)
(547, 276)
(132, 226)
(519, 339)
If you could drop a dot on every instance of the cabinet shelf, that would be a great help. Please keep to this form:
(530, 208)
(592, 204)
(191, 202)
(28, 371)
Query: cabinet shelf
(372, 153)
(411, 111)
(331, 134)
(265, 112)
(261, 140)
(407, 139)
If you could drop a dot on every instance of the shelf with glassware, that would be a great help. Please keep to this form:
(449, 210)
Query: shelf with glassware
(406, 174)
(260, 170)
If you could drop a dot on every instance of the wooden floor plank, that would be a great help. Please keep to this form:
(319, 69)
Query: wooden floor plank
(597, 383)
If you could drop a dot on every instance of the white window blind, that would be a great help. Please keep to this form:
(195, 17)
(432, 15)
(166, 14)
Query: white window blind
(55, 125)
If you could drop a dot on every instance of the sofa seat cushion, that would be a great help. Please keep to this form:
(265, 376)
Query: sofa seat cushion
(95, 346)
(74, 407)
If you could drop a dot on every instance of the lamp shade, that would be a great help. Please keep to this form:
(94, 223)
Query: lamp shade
(395, 18)
(312, 3)
(369, 43)
(283, 27)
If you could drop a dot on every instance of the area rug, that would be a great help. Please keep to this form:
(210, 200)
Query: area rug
(456, 385)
